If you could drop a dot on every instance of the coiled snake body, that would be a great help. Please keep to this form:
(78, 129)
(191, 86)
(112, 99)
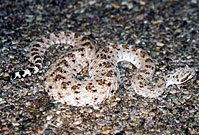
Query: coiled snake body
(86, 75)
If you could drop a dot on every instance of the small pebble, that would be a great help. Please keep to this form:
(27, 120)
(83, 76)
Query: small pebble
(159, 44)
(115, 5)
(4, 128)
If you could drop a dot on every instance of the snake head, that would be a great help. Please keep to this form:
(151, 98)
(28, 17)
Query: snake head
(180, 75)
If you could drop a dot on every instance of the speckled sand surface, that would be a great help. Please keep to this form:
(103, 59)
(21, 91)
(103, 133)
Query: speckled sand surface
(167, 29)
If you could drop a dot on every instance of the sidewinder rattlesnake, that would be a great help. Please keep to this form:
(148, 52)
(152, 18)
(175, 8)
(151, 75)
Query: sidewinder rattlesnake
(87, 75)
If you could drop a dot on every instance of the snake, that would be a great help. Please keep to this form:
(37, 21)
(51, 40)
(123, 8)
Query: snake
(87, 75)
